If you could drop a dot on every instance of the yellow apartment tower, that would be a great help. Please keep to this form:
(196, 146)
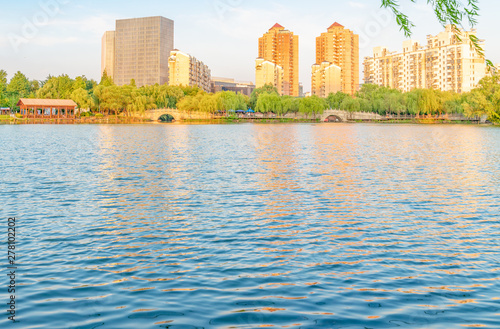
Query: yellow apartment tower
(267, 72)
(279, 53)
(186, 70)
(139, 49)
(338, 48)
(445, 63)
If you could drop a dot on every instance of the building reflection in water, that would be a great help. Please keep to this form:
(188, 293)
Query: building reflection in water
(281, 206)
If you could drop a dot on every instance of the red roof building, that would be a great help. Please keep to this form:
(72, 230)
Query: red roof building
(335, 25)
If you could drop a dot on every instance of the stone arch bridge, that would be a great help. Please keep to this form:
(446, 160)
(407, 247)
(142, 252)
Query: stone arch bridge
(154, 115)
(344, 116)
(327, 116)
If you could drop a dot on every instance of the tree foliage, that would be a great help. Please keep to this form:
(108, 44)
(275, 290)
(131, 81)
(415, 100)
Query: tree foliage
(19, 85)
(268, 88)
(106, 97)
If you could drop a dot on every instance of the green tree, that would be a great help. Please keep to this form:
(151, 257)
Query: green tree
(190, 103)
(335, 99)
(3, 81)
(394, 101)
(290, 104)
(82, 98)
(412, 102)
(11, 102)
(476, 104)
(106, 80)
(350, 104)
(35, 85)
(484, 100)
(269, 102)
(228, 100)
(191, 90)
(209, 103)
(138, 102)
(19, 85)
(312, 105)
(111, 98)
(268, 88)
(59, 87)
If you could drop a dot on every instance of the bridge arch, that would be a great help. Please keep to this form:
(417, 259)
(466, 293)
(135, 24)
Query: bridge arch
(166, 117)
(333, 118)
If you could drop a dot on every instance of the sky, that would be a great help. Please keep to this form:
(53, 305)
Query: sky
(42, 37)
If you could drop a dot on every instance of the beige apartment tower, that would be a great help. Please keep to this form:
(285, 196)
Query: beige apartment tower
(267, 72)
(326, 79)
(108, 53)
(141, 50)
(186, 70)
(338, 47)
(445, 63)
(279, 52)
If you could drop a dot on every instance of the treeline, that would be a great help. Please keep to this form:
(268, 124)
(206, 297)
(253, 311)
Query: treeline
(483, 100)
(264, 100)
(103, 97)
(107, 98)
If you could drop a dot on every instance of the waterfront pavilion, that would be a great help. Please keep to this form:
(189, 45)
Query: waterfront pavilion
(4, 110)
(47, 108)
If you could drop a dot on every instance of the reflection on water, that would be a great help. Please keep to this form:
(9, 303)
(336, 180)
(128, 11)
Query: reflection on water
(244, 226)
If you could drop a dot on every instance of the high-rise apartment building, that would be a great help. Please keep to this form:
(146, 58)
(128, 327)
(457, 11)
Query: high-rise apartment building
(108, 53)
(186, 70)
(326, 79)
(279, 53)
(338, 48)
(141, 50)
(446, 63)
(267, 72)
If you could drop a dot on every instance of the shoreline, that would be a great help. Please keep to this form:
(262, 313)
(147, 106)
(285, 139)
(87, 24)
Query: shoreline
(140, 120)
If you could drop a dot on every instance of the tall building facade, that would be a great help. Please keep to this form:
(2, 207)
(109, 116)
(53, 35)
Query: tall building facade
(279, 53)
(186, 70)
(326, 79)
(338, 48)
(267, 72)
(445, 63)
(108, 53)
(141, 50)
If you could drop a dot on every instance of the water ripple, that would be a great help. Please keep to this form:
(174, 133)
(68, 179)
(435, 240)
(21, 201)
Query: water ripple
(245, 226)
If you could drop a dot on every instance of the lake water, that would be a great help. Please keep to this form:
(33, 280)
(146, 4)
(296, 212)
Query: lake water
(252, 225)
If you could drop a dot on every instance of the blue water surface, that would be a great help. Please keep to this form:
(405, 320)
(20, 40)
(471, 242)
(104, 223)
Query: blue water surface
(252, 225)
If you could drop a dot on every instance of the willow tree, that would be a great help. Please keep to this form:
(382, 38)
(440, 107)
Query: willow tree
(269, 102)
(447, 12)
(484, 100)
(82, 98)
(313, 104)
(209, 103)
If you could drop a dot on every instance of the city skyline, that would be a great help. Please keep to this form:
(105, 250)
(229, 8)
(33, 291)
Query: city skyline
(223, 33)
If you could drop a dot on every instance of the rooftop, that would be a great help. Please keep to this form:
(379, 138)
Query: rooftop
(335, 25)
(46, 102)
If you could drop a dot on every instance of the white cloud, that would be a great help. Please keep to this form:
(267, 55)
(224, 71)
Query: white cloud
(49, 41)
(95, 25)
(356, 4)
